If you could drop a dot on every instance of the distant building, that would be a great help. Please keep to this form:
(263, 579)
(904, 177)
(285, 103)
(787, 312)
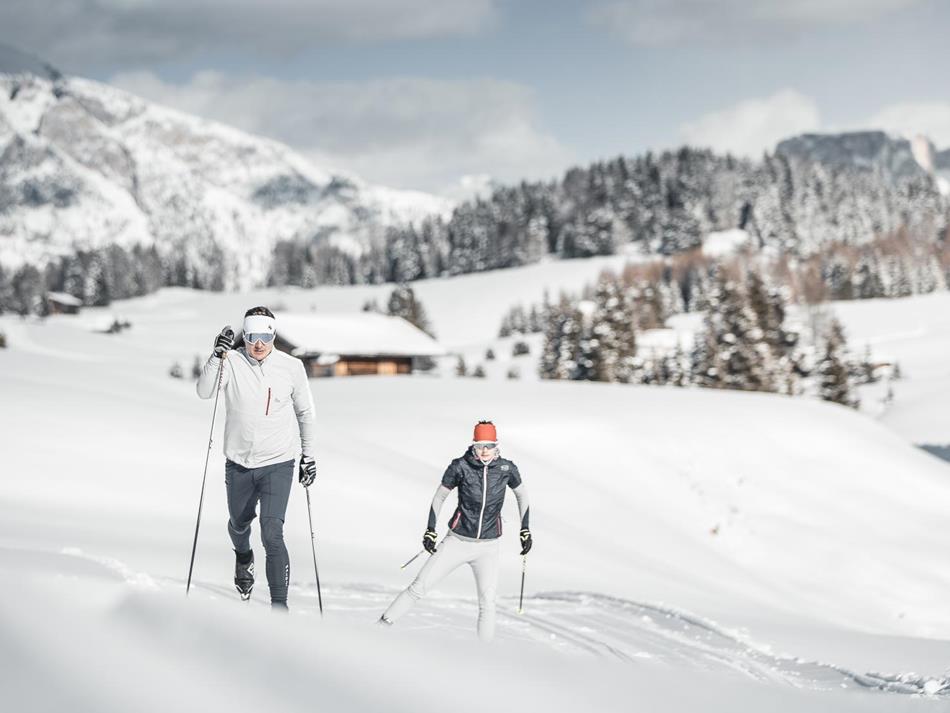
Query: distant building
(354, 344)
(62, 303)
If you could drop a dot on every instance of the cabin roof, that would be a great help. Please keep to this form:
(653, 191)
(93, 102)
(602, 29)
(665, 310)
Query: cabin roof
(64, 298)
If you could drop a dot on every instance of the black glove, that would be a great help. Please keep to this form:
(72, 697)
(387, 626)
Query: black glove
(308, 471)
(224, 341)
(428, 541)
(525, 541)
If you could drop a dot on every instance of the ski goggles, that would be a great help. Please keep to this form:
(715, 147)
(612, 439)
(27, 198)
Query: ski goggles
(264, 337)
(482, 445)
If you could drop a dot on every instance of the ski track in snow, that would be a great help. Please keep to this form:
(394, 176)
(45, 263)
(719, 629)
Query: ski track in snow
(573, 623)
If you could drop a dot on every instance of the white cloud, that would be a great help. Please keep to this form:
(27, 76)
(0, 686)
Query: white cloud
(754, 125)
(932, 119)
(405, 132)
(662, 22)
(89, 33)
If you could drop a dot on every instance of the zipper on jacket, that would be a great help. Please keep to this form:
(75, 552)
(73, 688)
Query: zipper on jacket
(267, 408)
(481, 515)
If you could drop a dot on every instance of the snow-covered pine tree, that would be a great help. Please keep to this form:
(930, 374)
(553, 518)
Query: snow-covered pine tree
(519, 348)
(562, 341)
(582, 344)
(730, 353)
(6, 292)
(403, 303)
(27, 288)
(834, 381)
(866, 278)
(549, 363)
(768, 306)
(678, 367)
(536, 320)
(519, 321)
(612, 326)
(148, 269)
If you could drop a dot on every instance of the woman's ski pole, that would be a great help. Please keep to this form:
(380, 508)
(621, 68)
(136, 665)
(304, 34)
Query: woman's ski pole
(204, 477)
(524, 566)
(313, 548)
(414, 558)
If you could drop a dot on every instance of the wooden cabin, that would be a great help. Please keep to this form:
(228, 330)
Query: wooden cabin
(354, 344)
(62, 303)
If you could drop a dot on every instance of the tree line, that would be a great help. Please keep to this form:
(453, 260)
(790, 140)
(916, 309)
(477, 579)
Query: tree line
(745, 343)
(662, 204)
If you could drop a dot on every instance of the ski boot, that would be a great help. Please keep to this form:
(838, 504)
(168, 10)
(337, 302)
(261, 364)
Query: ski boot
(244, 573)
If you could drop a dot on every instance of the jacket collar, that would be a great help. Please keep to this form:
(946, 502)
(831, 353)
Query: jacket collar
(251, 360)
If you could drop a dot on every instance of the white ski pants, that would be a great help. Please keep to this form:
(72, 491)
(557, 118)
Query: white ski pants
(452, 553)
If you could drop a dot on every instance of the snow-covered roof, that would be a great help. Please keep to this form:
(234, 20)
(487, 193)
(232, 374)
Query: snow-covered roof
(354, 334)
(64, 298)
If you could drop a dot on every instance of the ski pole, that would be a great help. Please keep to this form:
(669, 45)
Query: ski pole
(313, 548)
(414, 558)
(204, 477)
(524, 566)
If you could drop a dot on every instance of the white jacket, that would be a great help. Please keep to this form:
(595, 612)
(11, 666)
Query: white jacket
(259, 428)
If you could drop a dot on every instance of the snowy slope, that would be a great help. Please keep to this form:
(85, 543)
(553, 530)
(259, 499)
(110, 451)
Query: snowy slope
(914, 332)
(694, 550)
(86, 165)
(911, 332)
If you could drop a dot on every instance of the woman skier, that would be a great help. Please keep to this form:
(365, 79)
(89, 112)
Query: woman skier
(482, 477)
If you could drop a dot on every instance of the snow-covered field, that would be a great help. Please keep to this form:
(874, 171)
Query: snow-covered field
(694, 550)
(914, 332)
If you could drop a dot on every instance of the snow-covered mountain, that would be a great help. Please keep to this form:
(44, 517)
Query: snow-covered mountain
(893, 157)
(84, 165)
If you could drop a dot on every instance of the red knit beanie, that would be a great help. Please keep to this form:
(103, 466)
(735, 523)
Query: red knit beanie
(485, 431)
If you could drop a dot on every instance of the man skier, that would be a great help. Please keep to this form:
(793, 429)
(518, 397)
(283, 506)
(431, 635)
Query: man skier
(264, 389)
(481, 476)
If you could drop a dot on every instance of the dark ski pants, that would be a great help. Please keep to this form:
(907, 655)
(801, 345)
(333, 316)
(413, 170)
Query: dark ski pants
(270, 486)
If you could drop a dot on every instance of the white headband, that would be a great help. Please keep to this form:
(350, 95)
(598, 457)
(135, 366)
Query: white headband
(257, 323)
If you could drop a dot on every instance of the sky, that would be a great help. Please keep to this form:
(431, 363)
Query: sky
(448, 95)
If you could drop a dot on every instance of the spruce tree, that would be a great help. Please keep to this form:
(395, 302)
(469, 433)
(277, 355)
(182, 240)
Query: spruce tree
(6, 292)
(768, 306)
(561, 352)
(403, 303)
(28, 289)
(612, 328)
(834, 382)
(730, 352)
